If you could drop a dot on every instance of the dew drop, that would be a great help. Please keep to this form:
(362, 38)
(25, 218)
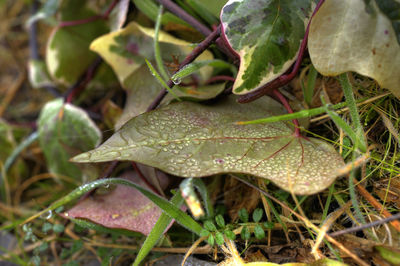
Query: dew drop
(47, 215)
(177, 81)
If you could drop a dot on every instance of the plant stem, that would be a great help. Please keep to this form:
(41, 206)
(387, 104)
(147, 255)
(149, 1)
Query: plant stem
(33, 43)
(284, 79)
(89, 19)
(179, 12)
(392, 218)
(377, 205)
(201, 47)
(157, 51)
(220, 78)
(10, 161)
(285, 103)
(83, 80)
(355, 117)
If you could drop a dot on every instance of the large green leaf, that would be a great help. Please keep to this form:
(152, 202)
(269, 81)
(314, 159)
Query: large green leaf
(65, 130)
(67, 54)
(345, 37)
(194, 140)
(266, 34)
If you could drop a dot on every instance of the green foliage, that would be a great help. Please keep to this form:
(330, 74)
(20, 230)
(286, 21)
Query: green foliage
(245, 233)
(219, 219)
(188, 139)
(257, 215)
(159, 228)
(243, 215)
(259, 232)
(210, 226)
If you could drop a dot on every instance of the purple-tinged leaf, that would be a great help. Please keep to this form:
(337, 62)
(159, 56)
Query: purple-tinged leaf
(119, 207)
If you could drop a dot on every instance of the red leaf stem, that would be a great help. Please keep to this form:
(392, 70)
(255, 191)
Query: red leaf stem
(104, 16)
(201, 47)
(285, 103)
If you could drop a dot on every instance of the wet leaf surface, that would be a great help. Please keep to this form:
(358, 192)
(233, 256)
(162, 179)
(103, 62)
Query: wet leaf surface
(121, 207)
(65, 130)
(193, 140)
(271, 30)
(344, 37)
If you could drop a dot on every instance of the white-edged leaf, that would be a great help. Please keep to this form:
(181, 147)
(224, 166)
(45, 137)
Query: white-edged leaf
(266, 34)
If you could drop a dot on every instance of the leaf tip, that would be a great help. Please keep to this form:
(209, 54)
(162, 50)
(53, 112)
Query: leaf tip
(81, 158)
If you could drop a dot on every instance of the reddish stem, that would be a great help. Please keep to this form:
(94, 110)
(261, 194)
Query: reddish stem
(284, 79)
(89, 19)
(83, 80)
(179, 12)
(285, 103)
(220, 78)
(201, 47)
(144, 179)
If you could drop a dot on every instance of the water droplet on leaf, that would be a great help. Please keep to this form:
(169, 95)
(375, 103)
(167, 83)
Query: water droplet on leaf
(177, 81)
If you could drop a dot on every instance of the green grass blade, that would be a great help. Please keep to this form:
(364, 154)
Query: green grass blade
(201, 187)
(162, 82)
(355, 117)
(102, 229)
(195, 66)
(157, 231)
(11, 159)
(340, 123)
(328, 202)
(276, 214)
(296, 115)
(157, 51)
(308, 91)
(171, 210)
